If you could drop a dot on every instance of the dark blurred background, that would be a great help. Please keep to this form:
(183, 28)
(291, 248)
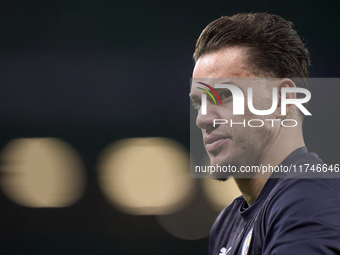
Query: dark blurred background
(91, 73)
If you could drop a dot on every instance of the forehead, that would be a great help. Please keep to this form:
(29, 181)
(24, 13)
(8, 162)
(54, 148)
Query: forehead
(225, 63)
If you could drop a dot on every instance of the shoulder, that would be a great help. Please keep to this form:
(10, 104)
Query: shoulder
(301, 188)
(304, 209)
(302, 196)
(303, 216)
(306, 182)
(302, 212)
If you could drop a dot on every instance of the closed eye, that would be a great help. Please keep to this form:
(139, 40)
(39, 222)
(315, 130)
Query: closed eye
(225, 94)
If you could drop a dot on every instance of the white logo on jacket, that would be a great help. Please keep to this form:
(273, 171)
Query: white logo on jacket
(224, 251)
(246, 243)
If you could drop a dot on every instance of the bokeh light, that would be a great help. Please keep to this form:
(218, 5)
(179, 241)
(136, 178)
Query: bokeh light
(42, 172)
(146, 176)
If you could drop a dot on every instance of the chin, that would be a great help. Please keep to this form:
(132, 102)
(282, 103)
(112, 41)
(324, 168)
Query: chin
(222, 177)
(214, 161)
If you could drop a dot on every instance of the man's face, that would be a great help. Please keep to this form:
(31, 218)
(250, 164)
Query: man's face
(236, 145)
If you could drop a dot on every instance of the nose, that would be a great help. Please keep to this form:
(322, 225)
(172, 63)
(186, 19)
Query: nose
(205, 121)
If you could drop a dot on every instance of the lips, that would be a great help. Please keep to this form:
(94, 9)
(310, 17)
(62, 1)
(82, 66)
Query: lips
(213, 142)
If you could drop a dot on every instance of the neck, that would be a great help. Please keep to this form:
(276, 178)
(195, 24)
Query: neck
(250, 188)
(274, 155)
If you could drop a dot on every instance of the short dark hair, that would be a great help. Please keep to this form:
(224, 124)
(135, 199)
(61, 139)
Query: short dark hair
(272, 46)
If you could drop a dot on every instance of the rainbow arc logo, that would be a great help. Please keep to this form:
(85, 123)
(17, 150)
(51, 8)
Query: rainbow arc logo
(204, 97)
(212, 89)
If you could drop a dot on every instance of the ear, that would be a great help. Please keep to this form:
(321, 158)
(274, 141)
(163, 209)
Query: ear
(284, 83)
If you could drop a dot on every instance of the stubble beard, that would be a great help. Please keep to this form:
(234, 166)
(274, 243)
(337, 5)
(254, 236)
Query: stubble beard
(221, 177)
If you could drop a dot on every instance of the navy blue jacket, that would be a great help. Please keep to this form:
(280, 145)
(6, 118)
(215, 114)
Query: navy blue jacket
(291, 216)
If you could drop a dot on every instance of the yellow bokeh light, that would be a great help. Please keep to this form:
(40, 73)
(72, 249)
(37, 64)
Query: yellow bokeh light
(146, 176)
(42, 172)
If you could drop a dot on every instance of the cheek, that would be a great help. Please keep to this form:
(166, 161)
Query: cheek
(261, 100)
(225, 111)
(253, 136)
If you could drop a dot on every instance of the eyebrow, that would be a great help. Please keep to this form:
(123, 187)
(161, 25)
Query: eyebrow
(194, 97)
